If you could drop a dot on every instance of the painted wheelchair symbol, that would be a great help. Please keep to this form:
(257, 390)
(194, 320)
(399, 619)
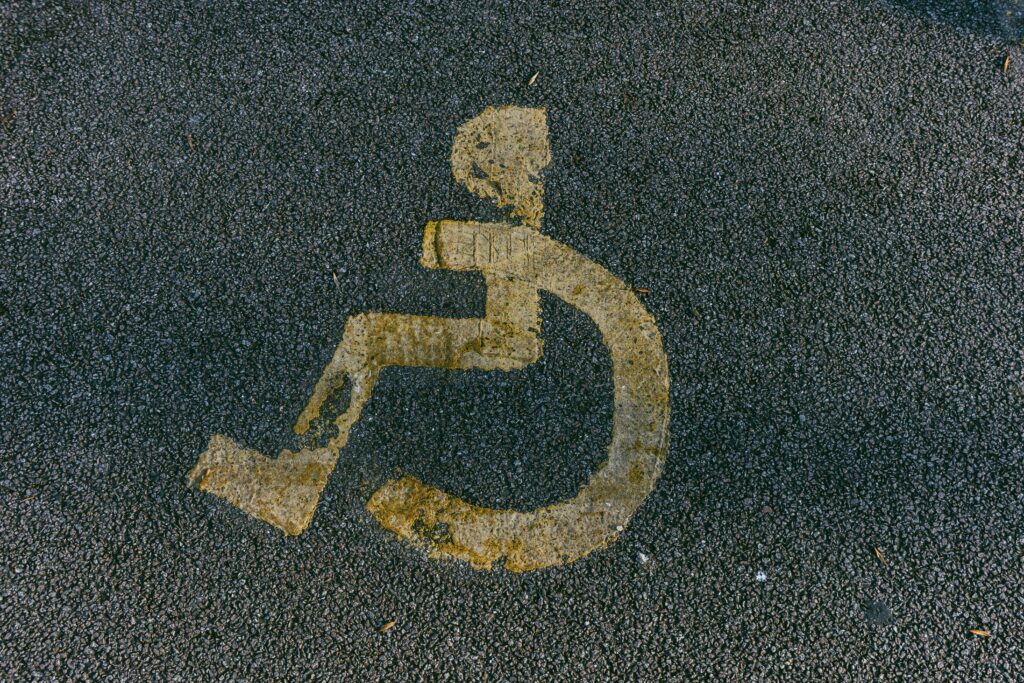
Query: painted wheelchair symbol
(498, 155)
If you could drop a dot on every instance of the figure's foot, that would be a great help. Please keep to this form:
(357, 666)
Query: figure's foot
(283, 492)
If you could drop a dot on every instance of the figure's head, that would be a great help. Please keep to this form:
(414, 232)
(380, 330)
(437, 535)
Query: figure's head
(500, 154)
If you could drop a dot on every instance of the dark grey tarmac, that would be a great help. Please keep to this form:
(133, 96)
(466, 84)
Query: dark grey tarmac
(823, 198)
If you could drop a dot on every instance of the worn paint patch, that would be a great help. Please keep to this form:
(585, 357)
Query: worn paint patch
(498, 155)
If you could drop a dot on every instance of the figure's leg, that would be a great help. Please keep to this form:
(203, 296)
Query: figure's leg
(350, 356)
(332, 379)
(505, 339)
(362, 386)
(372, 341)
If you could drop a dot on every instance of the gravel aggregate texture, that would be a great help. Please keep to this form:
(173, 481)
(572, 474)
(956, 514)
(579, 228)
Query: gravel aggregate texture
(823, 198)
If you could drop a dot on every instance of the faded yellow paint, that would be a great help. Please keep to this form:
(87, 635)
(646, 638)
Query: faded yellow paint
(283, 492)
(568, 530)
(498, 155)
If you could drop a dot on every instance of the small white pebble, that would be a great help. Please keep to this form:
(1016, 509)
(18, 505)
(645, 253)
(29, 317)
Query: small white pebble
(761, 577)
(618, 528)
(643, 558)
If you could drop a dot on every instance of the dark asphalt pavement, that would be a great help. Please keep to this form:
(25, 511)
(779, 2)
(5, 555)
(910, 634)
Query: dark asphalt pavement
(823, 198)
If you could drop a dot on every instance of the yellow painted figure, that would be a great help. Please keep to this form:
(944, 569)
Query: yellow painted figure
(500, 155)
